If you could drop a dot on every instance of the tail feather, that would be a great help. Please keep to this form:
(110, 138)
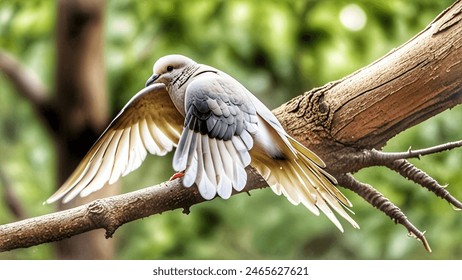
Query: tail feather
(298, 175)
(320, 175)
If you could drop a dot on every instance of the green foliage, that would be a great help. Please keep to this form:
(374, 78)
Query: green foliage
(278, 49)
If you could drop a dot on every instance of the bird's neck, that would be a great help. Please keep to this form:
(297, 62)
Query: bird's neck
(182, 80)
(179, 85)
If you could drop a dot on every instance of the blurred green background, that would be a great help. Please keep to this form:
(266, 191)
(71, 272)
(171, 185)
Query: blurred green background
(278, 49)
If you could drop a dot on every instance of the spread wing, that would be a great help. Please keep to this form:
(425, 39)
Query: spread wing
(217, 136)
(148, 123)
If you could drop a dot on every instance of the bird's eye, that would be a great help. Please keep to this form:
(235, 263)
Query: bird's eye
(170, 68)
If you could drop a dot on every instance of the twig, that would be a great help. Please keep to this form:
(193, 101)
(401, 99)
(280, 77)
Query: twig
(383, 158)
(382, 203)
(396, 161)
(409, 171)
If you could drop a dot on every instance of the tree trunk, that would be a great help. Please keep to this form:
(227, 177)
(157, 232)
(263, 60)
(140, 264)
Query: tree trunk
(82, 107)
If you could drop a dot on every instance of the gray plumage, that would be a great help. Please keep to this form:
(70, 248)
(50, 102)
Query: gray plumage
(219, 128)
(213, 120)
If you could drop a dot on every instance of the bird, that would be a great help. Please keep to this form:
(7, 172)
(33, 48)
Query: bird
(218, 128)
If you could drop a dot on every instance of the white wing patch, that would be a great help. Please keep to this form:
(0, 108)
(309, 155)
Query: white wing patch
(148, 123)
(216, 166)
(117, 154)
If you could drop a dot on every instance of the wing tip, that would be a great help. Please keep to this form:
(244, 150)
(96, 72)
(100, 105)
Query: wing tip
(50, 200)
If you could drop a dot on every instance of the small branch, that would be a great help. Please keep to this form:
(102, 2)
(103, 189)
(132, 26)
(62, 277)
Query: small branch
(108, 213)
(30, 87)
(397, 162)
(25, 81)
(409, 171)
(382, 203)
(375, 157)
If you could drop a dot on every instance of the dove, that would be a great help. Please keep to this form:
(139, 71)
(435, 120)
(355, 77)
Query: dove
(218, 128)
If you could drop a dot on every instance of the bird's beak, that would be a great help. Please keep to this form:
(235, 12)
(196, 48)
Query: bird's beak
(152, 79)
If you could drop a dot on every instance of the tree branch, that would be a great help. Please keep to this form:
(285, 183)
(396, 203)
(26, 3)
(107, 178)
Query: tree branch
(108, 213)
(346, 120)
(382, 203)
(364, 110)
(381, 158)
(409, 171)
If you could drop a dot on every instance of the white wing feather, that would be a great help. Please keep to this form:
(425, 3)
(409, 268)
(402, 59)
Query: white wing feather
(148, 123)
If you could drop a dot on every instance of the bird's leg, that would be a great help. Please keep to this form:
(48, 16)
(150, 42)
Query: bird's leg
(177, 175)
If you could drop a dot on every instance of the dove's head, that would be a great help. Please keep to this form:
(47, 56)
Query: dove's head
(169, 68)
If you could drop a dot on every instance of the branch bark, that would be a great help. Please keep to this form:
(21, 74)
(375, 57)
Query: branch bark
(339, 121)
(108, 213)
(410, 84)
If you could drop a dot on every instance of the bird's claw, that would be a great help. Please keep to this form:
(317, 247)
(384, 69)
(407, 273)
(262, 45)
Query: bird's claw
(176, 176)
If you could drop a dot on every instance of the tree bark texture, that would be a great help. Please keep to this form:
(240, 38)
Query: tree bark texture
(342, 121)
(108, 213)
(364, 110)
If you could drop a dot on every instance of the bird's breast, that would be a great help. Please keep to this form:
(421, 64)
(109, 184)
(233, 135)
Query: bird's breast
(178, 96)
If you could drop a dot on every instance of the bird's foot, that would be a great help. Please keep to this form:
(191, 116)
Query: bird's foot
(176, 176)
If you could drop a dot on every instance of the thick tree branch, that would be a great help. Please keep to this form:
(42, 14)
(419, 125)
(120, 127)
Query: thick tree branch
(410, 84)
(345, 120)
(340, 122)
